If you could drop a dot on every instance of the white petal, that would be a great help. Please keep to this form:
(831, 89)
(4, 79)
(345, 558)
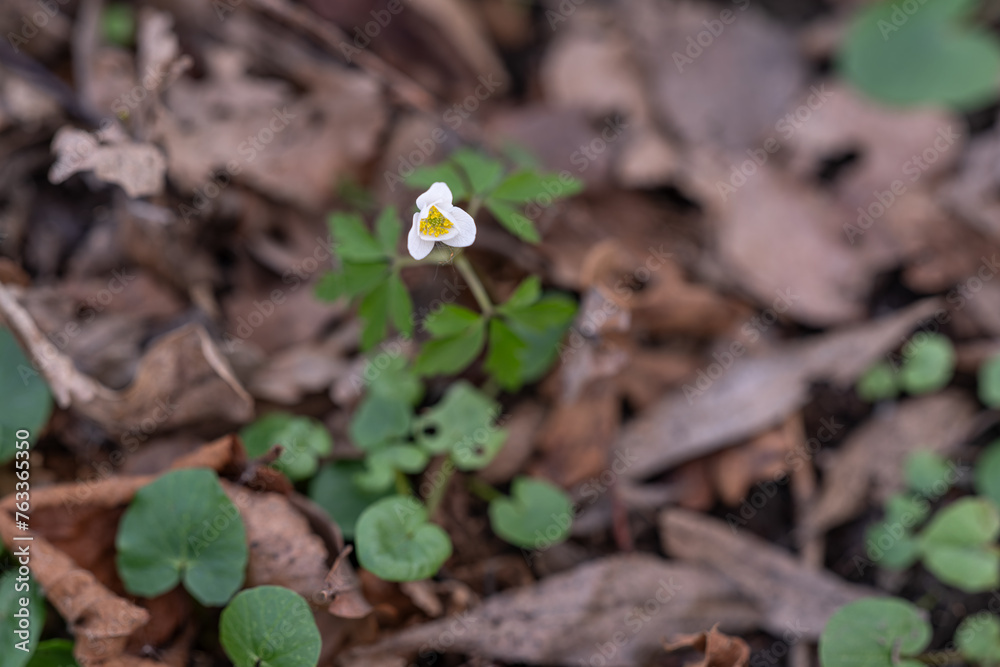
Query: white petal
(418, 246)
(439, 193)
(465, 227)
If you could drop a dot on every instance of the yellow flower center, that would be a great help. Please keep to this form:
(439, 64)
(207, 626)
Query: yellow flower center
(435, 224)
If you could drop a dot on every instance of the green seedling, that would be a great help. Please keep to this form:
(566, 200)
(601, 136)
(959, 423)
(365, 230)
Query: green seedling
(270, 626)
(535, 516)
(958, 545)
(928, 365)
(932, 56)
(978, 639)
(182, 527)
(24, 395)
(875, 632)
(303, 440)
(396, 541)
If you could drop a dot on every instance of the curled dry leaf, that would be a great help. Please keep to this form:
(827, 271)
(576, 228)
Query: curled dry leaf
(720, 650)
(182, 379)
(137, 167)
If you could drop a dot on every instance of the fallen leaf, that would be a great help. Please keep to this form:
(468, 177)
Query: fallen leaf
(137, 167)
(720, 650)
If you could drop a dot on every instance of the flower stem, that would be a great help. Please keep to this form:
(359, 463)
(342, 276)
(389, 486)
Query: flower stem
(436, 495)
(476, 285)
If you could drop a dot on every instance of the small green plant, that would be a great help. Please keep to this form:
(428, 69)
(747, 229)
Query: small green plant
(182, 527)
(269, 626)
(928, 364)
(930, 54)
(53, 653)
(303, 440)
(517, 339)
(25, 397)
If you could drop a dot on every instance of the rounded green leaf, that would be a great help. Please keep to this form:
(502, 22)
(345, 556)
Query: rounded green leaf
(978, 639)
(334, 490)
(987, 473)
(24, 396)
(462, 425)
(891, 547)
(395, 541)
(989, 382)
(53, 653)
(958, 548)
(878, 384)
(929, 364)
(924, 53)
(927, 473)
(535, 516)
(270, 626)
(303, 439)
(872, 632)
(382, 465)
(182, 527)
(378, 419)
(11, 613)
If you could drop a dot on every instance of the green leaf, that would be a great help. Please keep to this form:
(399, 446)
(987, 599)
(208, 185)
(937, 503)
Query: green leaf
(989, 383)
(400, 306)
(447, 356)
(374, 310)
(304, 440)
(380, 418)
(395, 542)
(527, 185)
(871, 632)
(906, 509)
(270, 626)
(351, 280)
(388, 228)
(118, 24)
(541, 327)
(53, 653)
(526, 294)
(929, 364)
(353, 240)
(934, 55)
(503, 357)
(957, 545)
(891, 547)
(536, 516)
(508, 216)
(927, 473)
(450, 320)
(334, 490)
(978, 639)
(24, 396)
(879, 383)
(382, 465)
(389, 376)
(483, 172)
(445, 172)
(462, 425)
(182, 527)
(986, 476)
(10, 604)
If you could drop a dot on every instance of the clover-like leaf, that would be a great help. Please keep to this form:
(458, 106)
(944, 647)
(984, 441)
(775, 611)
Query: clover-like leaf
(540, 326)
(353, 240)
(929, 364)
(530, 186)
(303, 440)
(352, 280)
(270, 626)
(879, 383)
(334, 490)
(389, 302)
(482, 171)
(382, 465)
(874, 632)
(504, 355)
(535, 516)
(52, 653)
(957, 545)
(19, 643)
(934, 54)
(514, 221)
(989, 382)
(450, 320)
(446, 356)
(927, 473)
(182, 527)
(24, 396)
(378, 419)
(461, 424)
(986, 476)
(978, 639)
(395, 542)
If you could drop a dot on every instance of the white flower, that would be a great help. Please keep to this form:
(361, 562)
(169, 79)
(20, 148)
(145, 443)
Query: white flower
(438, 220)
